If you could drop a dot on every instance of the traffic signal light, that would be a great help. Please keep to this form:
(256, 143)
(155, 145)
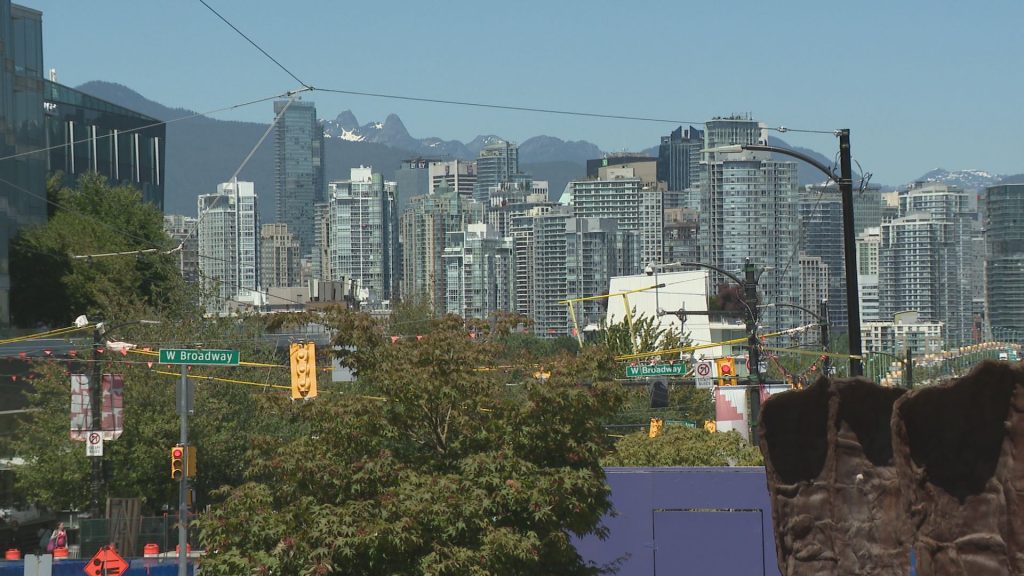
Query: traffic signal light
(726, 370)
(303, 365)
(177, 462)
(190, 461)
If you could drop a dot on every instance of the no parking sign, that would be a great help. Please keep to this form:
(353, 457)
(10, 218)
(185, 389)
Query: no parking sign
(94, 444)
(705, 371)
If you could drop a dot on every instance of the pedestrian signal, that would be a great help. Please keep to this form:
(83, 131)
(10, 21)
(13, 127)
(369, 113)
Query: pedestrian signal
(177, 462)
(303, 365)
(656, 424)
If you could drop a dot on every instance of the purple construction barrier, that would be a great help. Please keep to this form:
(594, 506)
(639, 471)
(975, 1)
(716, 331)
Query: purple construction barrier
(687, 521)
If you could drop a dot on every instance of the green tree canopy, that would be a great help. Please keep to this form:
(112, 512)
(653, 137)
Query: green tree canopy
(683, 446)
(56, 473)
(443, 469)
(50, 287)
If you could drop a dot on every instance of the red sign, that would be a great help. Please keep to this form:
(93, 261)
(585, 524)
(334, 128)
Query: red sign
(106, 562)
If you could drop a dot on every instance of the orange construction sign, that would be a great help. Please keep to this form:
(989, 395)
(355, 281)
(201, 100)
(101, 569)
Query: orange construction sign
(106, 562)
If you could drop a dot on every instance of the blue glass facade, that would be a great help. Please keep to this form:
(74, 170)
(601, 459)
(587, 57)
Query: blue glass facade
(299, 169)
(46, 127)
(22, 173)
(86, 134)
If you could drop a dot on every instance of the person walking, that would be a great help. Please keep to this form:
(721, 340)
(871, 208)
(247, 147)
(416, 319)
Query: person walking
(58, 539)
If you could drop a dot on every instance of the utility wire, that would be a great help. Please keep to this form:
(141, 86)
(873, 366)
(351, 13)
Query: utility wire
(155, 124)
(257, 46)
(102, 222)
(55, 332)
(503, 106)
(97, 220)
(780, 129)
(199, 220)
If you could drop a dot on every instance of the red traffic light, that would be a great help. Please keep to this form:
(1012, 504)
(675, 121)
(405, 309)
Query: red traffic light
(177, 462)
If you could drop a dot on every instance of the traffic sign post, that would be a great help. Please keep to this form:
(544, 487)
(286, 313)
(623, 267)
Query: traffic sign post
(106, 562)
(183, 481)
(655, 370)
(199, 356)
(704, 372)
(94, 444)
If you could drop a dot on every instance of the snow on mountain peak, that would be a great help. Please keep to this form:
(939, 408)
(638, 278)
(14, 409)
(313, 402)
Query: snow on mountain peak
(351, 136)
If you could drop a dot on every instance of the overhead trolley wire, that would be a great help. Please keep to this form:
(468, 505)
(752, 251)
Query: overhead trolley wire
(257, 46)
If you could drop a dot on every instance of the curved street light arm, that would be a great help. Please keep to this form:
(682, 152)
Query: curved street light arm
(786, 305)
(708, 266)
(799, 155)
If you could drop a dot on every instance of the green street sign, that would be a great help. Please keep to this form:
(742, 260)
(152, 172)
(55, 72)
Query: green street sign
(197, 356)
(655, 370)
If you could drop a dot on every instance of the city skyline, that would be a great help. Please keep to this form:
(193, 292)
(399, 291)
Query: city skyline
(899, 129)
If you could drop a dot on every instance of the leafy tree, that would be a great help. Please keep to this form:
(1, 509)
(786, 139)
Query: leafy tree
(50, 287)
(646, 335)
(411, 316)
(56, 473)
(686, 404)
(445, 470)
(683, 446)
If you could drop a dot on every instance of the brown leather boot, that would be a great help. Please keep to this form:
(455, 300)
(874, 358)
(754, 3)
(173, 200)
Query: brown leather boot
(961, 478)
(833, 487)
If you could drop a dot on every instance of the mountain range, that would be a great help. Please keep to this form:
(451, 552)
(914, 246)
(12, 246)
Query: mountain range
(392, 132)
(202, 152)
(966, 179)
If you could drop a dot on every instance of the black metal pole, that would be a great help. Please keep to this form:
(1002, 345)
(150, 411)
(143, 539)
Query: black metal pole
(183, 395)
(850, 253)
(750, 296)
(826, 364)
(908, 368)
(96, 407)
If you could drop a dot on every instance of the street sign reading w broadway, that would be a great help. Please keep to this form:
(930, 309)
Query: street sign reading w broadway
(656, 370)
(192, 356)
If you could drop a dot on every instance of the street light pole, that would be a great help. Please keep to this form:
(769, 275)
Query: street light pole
(751, 317)
(826, 363)
(96, 408)
(845, 182)
(753, 344)
(850, 253)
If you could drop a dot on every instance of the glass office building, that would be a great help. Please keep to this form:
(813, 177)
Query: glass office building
(298, 169)
(1004, 266)
(22, 173)
(97, 136)
(46, 127)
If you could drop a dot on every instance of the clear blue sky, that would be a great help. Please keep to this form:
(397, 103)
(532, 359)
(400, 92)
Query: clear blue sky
(921, 84)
